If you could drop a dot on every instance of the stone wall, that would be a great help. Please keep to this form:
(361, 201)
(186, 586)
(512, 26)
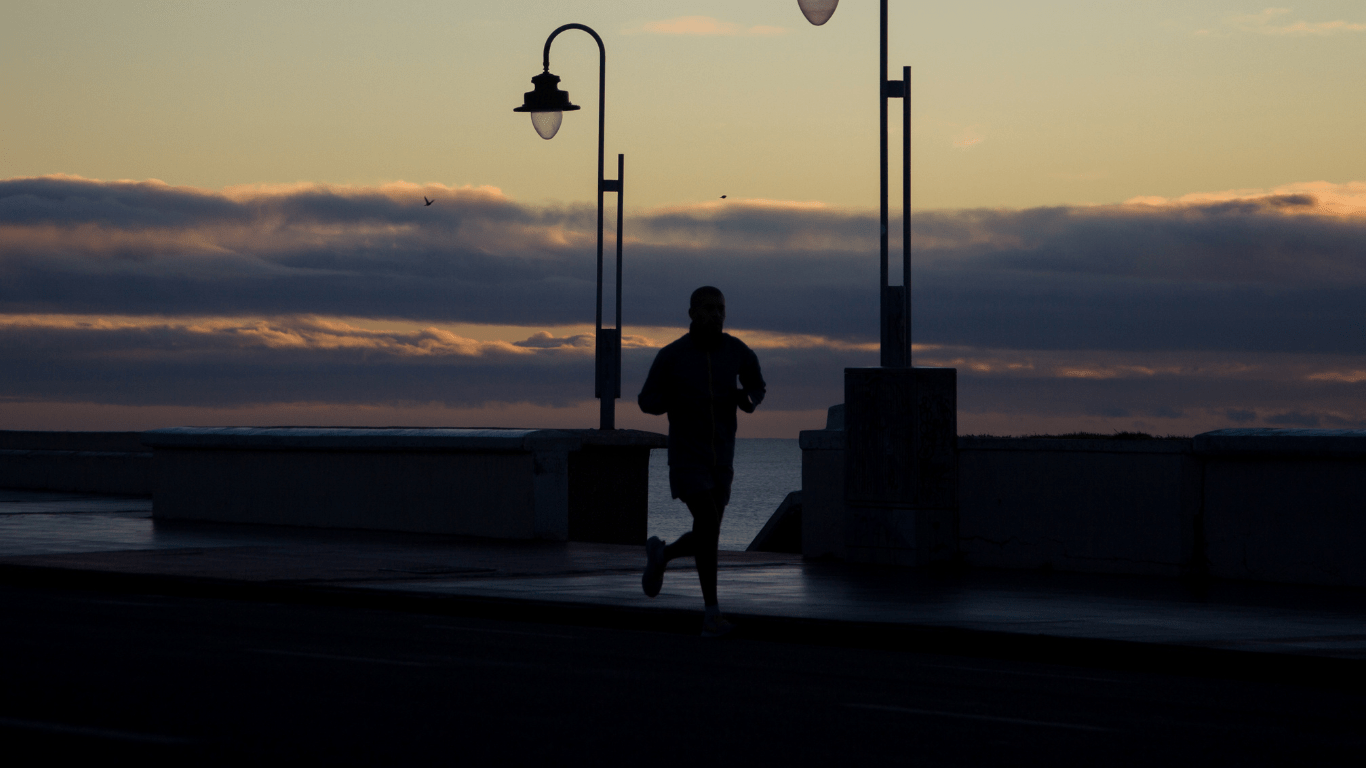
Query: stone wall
(584, 485)
(1105, 506)
(1285, 504)
(1278, 505)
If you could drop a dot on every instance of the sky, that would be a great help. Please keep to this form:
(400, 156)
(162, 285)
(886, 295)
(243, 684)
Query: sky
(1128, 215)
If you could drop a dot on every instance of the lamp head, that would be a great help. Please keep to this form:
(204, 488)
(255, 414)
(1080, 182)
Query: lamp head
(547, 104)
(817, 11)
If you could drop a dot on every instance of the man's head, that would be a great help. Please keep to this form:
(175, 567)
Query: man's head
(707, 308)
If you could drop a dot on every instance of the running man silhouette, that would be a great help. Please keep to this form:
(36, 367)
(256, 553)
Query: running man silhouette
(694, 381)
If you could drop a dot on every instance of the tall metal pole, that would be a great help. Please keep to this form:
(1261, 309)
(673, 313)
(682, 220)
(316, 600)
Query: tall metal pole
(894, 301)
(621, 193)
(900, 422)
(906, 213)
(607, 357)
(885, 321)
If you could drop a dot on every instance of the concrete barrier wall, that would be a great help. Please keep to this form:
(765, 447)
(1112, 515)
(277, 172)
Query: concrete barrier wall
(1279, 505)
(76, 462)
(277, 476)
(497, 483)
(1100, 506)
(1285, 505)
(1104, 506)
(479, 495)
(581, 485)
(609, 485)
(900, 465)
(823, 493)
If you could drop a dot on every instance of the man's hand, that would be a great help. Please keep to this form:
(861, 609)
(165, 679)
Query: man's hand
(742, 400)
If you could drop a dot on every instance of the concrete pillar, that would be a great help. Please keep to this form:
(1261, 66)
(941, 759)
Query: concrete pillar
(609, 485)
(823, 491)
(901, 465)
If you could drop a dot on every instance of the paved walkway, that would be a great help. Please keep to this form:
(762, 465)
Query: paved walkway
(50, 533)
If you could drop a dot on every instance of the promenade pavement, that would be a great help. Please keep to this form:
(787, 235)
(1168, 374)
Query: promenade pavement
(95, 541)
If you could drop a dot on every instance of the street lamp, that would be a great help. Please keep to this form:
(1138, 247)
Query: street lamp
(547, 105)
(895, 299)
(900, 422)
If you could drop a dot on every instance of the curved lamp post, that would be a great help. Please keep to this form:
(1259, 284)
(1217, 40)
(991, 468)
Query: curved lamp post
(547, 105)
(895, 300)
(900, 422)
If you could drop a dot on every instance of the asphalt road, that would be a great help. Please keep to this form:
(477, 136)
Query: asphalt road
(176, 679)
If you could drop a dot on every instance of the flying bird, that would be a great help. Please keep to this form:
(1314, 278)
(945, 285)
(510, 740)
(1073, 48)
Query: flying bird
(723, 197)
(429, 202)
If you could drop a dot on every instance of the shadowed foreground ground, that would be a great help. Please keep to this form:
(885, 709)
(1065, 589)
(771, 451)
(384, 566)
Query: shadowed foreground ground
(122, 674)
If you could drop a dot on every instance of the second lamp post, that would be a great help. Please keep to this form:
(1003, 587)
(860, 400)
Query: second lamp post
(895, 299)
(547, 105)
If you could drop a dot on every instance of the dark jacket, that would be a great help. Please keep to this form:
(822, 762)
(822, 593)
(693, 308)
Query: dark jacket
(694, 381)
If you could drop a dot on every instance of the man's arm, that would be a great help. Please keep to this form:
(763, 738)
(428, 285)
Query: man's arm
(654, 396)
(752, 387)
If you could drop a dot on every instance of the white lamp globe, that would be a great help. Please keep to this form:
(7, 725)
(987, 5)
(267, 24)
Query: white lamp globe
(547, 124)
(818, 11)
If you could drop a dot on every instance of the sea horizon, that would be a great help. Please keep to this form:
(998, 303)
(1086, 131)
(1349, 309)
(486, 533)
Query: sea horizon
(766, 470)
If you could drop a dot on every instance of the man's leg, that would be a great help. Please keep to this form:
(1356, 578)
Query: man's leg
(658, 557)
(683, 546)
(686, 545)
(701, 542)
(706, 505)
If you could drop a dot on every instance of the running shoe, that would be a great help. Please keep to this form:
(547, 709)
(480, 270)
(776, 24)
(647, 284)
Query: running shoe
(716, 626)
(654, 567)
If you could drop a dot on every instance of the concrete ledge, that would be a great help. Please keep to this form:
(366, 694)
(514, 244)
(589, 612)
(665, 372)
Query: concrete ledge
(1108, 506)
(511, 483)
(1283, 443)
(619, 438)
(609, 485)
(821, 440)
(582, 485)
(1018, 444)
(1101, 506)
(360, 439)
(823, 493)
(1285, 505)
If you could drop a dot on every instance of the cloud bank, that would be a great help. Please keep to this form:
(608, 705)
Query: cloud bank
(1234, 307)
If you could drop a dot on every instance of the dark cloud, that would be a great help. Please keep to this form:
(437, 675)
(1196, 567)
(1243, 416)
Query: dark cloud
(231, 364)
(1294, 419)
(1274, 273)
(1192, 314)
(68, 201)
(232, 367)
(290, 360)
(546, 340)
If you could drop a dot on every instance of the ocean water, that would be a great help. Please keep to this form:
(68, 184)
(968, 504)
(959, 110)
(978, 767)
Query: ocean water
(766, 470)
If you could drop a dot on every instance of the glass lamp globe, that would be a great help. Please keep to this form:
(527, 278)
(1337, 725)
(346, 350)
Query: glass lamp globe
(817, 11)
(547, 124)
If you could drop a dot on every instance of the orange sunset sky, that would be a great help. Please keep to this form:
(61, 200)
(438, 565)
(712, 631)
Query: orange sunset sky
(1128, 215)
